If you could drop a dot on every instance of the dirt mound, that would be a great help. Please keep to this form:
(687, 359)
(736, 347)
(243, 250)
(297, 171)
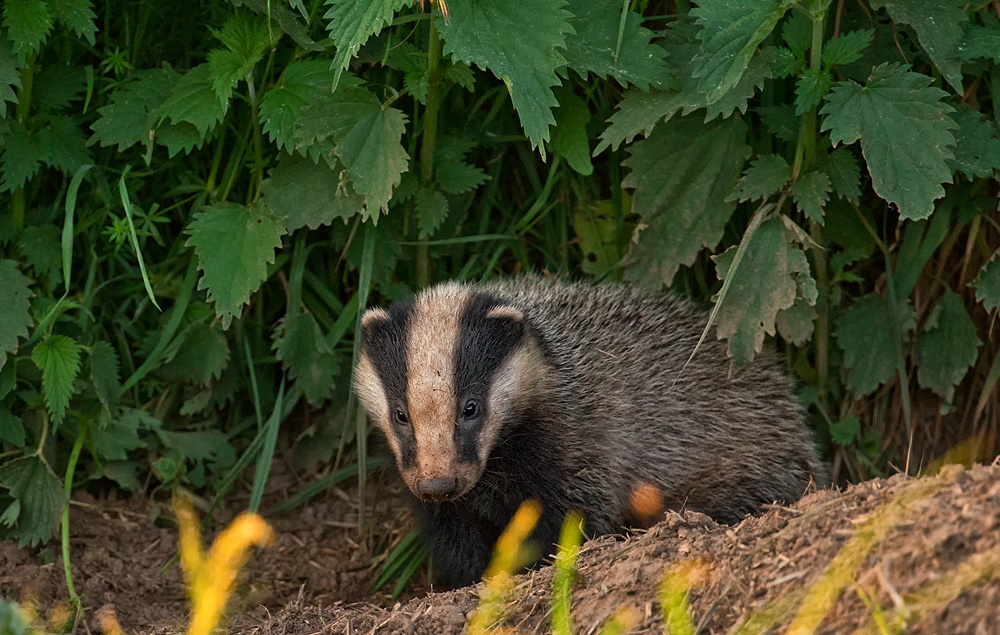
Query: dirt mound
(929, 547)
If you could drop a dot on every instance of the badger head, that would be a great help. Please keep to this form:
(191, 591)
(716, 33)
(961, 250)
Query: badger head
(443, 375)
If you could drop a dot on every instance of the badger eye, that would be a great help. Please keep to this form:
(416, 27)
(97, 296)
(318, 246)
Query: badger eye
(401, 417)
(471, 410)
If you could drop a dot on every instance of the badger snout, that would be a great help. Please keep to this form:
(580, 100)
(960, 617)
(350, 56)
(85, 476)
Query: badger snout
(437, 489)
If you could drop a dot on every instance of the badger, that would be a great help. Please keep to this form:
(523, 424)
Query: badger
(571, 394)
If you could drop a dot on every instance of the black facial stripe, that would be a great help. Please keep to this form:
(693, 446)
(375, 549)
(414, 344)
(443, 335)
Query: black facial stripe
(385, 344)
(484, 343)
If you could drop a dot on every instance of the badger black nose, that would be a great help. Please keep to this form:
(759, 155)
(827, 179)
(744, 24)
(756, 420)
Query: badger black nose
(436, 489)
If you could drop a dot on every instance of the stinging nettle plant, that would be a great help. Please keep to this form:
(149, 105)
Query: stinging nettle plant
(823, 171)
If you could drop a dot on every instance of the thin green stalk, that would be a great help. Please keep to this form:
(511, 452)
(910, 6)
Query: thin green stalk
(429, 138)
(258, 146)
(18, 201)
(68, 487)
(361, 421)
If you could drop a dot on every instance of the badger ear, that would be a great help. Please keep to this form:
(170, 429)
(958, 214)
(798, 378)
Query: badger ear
(373, 315)
(505, 312)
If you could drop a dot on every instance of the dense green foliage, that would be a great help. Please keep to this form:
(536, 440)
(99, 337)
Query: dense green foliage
(197, 197)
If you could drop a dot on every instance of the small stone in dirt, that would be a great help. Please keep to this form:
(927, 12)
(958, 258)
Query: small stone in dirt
(448, 615)
(400, 623)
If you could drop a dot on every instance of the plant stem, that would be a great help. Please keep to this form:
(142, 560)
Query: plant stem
(68, 487)
(429, 138)
(18, 202)
(258, 147)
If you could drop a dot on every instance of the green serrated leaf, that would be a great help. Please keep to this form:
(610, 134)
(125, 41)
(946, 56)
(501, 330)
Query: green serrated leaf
(76, 15)
(246, 39)
(948, 347)
(104, 374)
(234, 245)
(796, 323)
(201, 358)
(939, 28)
(300, 346)
(811, 192)
(845, 175)
(905, 134)
(797, 32)
(10, 77)
(61, 145)
(374, 156)
(432, 209)
(810, 88)
(731, 32)
(780, 121)
(352, 22)
(41, 499)
(681, 175)
(20, 160)
(281, 106)
(285, 18)
(986, 284)
(198, 446)
(128, 118)
(11, 428)
(977, 151)
(119, 437)
(866, 334)
(592, 49)
(844, 432)
(56, 87)
(526, 63)
(15, 316)
(417, 83)
(766, 175)
(310, 194)
(40, 247)
(569, 137)
(194, 100)
(457, 176)
(597, 227)
(764, 284)
(981, 41)
(58, 357)
(28, 23)
(846, 48)
(462, 75)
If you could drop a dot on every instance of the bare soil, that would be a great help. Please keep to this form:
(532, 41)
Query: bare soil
(316, 580)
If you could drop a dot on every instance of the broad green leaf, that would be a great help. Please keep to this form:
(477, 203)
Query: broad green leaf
(518, 40)
(977, 151)
(11, 427)
(947, 347)
(766, 175)
(285, 18)
(375, 158)
(300, 346)
(118, 438)
(569, 137)
(76, 15)
(681, 175)
(40, 247)
(58, 357)
(843, 432)
(61, 145)
(764, 284)
(938, 24)
(737, 97)
(432, 209)
(592, 48)
(124, 473)
(310, 194)
(846, 48)
(731, 31)
(20, 160)
(199, 446)
(981, 41)
(866, 334)
(811, 192)
(451, 171)
(41, 498)
(352, 22)
(280, 107)
(194, 100)
(905, 134)
(56, 86)
(796, 323)
(234, 245)
(598, 228)
(810, 88)
(28, 23)
(780, 121)
(202, 356)
(129, 117)
(15, 317)
(246, 39)
(104, 374)
(10, 77)
(845, 175)
(987, 283)
(462, 75)
(331, 116)
(797, 32)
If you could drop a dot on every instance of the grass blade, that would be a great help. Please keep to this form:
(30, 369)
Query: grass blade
(67, 233)
(263, 468)
(324, 483)
(361, 421)
(127, 204)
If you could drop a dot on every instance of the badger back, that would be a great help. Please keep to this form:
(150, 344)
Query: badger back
(442, 375)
